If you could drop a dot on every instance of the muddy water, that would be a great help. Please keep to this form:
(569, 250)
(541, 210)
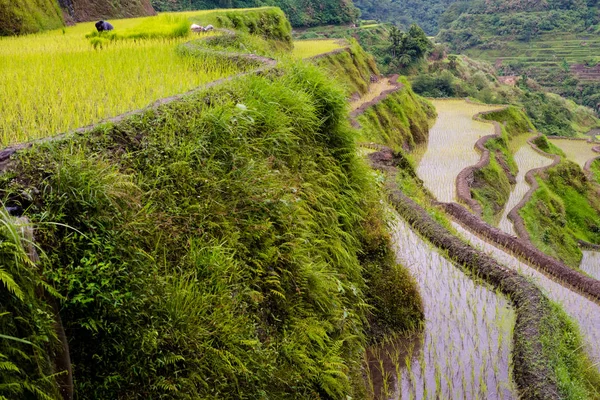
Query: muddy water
(467, 340)
(526, 159)
(579, 151)
(584, 311)
(590, 263)
(451, 146)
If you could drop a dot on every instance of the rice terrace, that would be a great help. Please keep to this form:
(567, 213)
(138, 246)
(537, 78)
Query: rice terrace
(293, 199)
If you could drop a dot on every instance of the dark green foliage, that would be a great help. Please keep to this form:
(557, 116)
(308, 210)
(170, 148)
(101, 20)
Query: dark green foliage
(407, 48)
(548, 114)
(299, 12)
(29, 16)
(564, 209)
(27, 338)
(216, 247)
(401, 121)
(425, 13)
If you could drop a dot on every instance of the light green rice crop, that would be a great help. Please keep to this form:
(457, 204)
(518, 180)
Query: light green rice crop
(57, 81)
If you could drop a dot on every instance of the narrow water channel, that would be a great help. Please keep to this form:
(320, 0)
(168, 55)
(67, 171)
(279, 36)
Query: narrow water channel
(526, 159)
(581, 309)
(465, 350)
(451, 143)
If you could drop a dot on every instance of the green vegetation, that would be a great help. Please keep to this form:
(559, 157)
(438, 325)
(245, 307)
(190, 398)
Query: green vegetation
(56, 84)
(230, 244)
(595, 168)
(563, 345)
(28, 16)
(491, 186)
(401, 121)
(460, 76)
(353, 68)
(299, 13)
(545, 145)
(27, 335)
(564, 209)
(404, 13)
(553, 42)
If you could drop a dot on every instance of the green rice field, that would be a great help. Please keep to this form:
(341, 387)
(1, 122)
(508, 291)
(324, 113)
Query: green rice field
(60, 80)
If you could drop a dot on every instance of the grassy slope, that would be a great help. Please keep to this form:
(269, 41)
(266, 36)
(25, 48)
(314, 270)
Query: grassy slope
(229, 245)
(28, 16)
(565, 208)
(401, 121)
(491, 187)
(352, 68)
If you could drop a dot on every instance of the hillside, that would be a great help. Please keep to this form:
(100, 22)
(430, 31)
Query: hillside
(299, 12)
(553, 42)
(425, 13)
(90, 10)
(28, 16)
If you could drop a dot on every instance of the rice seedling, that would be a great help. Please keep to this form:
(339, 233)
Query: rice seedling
(579, 151)
(590, 263)
(451, 146)
(465, 349)
(581, 309)
(311, 48)
(57, 81)
(526, 159)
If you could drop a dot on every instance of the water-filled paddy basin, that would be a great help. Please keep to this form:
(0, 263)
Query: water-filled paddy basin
(590, 263)
(526, 159)
(581, 309)
(465, 349)
(579, 151)
(451, 145)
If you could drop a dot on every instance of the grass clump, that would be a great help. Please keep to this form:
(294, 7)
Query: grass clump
(564, 209)
(544, 144)
(218, 247)
(595, 169)
(578, 377)
(353, 68)
(492, 185)
(401, 120)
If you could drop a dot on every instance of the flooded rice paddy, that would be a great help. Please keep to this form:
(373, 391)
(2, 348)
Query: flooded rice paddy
(579, 151)
(590, 263)
(581, 309)
(465, 349)
(451, 145)
(526, 159)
